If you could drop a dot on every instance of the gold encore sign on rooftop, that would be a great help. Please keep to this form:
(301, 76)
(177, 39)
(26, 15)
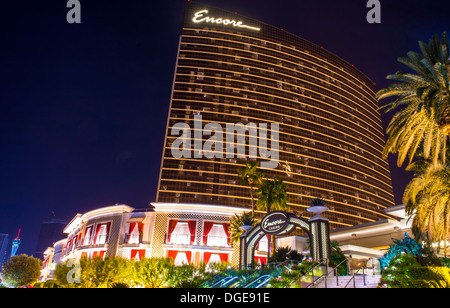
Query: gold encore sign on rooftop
(201, 16)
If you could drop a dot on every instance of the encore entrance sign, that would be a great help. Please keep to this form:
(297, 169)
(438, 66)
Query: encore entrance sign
(275, 223)
(282, 223)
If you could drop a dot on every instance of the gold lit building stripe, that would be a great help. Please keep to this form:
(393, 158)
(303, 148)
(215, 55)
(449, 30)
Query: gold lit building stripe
(293, 183)
(247, 198)
(290, 76)
(232, 63)
(312, 158)
(282, 106)
(249, 117)
(369, 91)
(374, 159)
(284, 124)
(289, 193)
(287, 91)
(368, 115)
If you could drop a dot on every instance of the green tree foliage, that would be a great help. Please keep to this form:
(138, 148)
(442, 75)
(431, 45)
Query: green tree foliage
(404, 271)
(154, 272)
(428, 197)
(95, 273)
(337, 257)
(404, 245)
(272, 196)
(282, 254)
(251, 175)
(239, 220)
(424, 96)
(20, 271)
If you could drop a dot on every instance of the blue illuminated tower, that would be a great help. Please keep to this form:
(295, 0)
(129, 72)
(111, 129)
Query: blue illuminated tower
(15, 244)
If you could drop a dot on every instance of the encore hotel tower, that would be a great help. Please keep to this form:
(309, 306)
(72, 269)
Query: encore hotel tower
(233, 69)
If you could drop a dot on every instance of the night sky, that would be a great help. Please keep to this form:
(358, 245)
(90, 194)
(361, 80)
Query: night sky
(84, 106)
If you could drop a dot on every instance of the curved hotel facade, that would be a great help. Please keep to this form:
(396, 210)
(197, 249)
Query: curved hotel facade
(233, 69)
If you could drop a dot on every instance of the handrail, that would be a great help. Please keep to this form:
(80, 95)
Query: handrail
(258, 272)
(354, 280)
(310, 270)
(335, 269)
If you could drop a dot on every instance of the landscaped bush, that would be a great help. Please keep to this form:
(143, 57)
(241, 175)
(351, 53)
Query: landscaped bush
(404, 271)
(120, 273)
(291, 275)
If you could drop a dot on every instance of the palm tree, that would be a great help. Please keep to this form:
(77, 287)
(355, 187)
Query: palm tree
(428, 197)
(250, 175)
(244, 219)
(272, 195)
(423, 124)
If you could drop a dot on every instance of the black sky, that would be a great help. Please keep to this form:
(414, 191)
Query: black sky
(84, 106)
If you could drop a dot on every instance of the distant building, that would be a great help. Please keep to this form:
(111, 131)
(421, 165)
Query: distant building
(51, 232)
(4, 239)
(15, 244)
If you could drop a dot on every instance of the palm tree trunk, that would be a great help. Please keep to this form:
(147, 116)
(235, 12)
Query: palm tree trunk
(253, 202)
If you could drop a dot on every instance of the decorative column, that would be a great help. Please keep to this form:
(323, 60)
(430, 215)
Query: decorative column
(320, 233)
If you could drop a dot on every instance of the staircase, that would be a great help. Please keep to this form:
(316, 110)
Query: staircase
(347, 282)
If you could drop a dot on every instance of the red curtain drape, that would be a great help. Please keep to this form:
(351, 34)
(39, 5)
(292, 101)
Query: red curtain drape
(132, 226)
(206, 229)
(192, 227)
(88, 230)
(225, 228)
(99, 226)
(172, 225)
(223, 257)
(108, 227)
(173, 254)
(206, 257)
(134, 252)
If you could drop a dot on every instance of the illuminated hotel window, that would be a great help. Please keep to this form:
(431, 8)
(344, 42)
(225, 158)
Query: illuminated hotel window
(101, 236)
(181, 234)
(87, 236)
(181, 259)
(263, 244)
(217, 236)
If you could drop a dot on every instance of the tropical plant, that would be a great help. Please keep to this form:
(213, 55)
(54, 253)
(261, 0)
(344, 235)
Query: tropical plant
(20, 271)
(239, 220)
(404, 271)
(154, 272)
(251, 175)
(421, 126)
(337, 257)
(427, 196)
(404, 245)
(282, 254)
(95, 273)
(272, 195)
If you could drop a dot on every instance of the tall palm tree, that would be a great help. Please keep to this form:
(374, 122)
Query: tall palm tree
(421, 127)
(428, 197)
(250, 175)
(272, 195)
